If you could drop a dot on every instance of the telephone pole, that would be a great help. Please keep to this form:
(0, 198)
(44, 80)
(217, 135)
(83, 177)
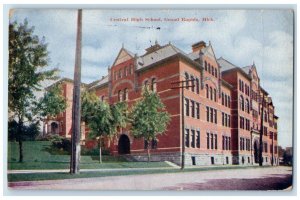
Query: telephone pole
(76, 107)
(182, 86)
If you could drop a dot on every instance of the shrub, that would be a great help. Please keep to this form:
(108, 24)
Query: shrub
(61, 143)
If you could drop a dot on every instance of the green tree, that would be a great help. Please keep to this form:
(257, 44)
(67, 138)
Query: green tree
(102, 119)
(51, 104)
(28, 59)
(149, 118)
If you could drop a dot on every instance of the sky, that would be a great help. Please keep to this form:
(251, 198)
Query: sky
(244, 37)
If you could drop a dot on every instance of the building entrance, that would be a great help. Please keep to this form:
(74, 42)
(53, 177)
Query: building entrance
(124, 144)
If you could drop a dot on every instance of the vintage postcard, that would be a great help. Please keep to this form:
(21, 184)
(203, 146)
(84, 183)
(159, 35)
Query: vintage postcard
(150, 99)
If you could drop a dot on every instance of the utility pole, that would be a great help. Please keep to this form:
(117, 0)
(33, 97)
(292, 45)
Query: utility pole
(182, 86)
(261, 130)
(76, 107)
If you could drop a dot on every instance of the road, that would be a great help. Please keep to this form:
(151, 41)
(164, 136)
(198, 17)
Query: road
(271, 178)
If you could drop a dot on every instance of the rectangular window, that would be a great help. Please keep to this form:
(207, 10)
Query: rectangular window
(228, 121)
(266, 147)
(216, 116)
(198, 110)
(226, 100)
(154, 144)
(212, 141)
(198, 139)
(187, 111)
(187, 137)
(229, 102)
(197, 85)
(229, 143)
(207, 113)
(207, 140)
(193, 138)
(193, 108)
(223, 142)
(211, 115)
(222, 98)
(216, 141)
(223, 119)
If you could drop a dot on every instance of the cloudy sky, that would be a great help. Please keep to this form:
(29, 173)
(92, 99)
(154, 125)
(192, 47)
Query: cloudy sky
(240, 36)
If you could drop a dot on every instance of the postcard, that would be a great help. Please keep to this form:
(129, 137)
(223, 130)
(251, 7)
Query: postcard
(150, 99)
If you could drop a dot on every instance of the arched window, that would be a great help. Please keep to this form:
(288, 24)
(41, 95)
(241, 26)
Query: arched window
(197, 85)
(186, 80)
(207, 92)
(153, 85)
(242, 103)
(205, 66)
(125, 95)
(247, 106)
(215, 95)
(125, 71)
(193, 83)
(146, 84)
(211, 93)
(120, 95)
(120, 73)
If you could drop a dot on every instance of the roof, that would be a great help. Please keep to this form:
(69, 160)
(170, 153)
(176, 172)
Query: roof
(98, 83)
(64, 79)
(247, 69)
(160, 54)
(225, 83)
(225, 64)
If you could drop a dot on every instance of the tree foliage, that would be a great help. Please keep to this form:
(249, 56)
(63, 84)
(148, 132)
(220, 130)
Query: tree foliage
(149, 118)
(52, 103)
(28, 61)
(28, 132)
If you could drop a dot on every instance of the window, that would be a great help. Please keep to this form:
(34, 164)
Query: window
(146, 84)
(225, 101)
(187, 111)
(215, 116)
(247, 106)
(205, 66)
(207, 113)
(240, 85)
(193, 108)
(211, 93)
(209, 69)
(229, 143)
(115, 75)
(229, 125)
(229, 101)
(265, 116)
(223, 119)
(153, 85)
(242, 103)
(120, 95)
(207, 92)
(212, 70)
(216, 141)
(187, 137)
(215, 95)
(130, 69)
(223, 142)
(125, 71)
(193, 83)
(211, 115)
(216, 73)
(222, 98)
(266, 147)
(197, 86)
(198, 110)
(125, 97)
(187, 80)
(145, 144)
(212, 141)
(242, 122)
(198, 139)
(154, 144)
(120, 73)
(193, 138)
(207, 140)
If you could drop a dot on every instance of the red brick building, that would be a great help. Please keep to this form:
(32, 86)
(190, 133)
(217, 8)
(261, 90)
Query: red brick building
(222, 111)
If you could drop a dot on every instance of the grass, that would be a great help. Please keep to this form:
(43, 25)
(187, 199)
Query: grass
(38, 156)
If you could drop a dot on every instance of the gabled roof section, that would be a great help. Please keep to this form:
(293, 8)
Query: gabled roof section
(225, 64)
(123, 56)
(162, 53)
(98, 83)
(209, 52)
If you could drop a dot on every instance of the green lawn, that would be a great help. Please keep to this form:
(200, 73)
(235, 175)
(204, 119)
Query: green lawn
(38, 156)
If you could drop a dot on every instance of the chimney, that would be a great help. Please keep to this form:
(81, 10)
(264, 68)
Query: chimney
(198, 46)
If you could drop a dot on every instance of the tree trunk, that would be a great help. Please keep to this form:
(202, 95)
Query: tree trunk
(148, 151)
(100, 151)
(20, 151)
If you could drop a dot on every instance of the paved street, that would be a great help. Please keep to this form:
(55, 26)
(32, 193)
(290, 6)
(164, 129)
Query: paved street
(273, 178)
